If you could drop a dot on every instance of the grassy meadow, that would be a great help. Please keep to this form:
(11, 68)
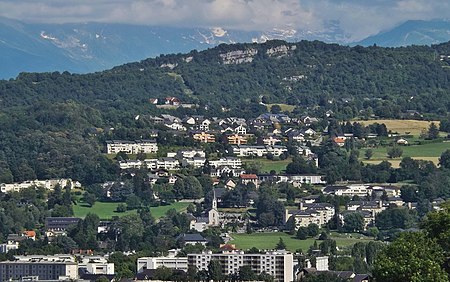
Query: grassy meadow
(268, 165)
(106, 210)
(402, 126)
(266, 241)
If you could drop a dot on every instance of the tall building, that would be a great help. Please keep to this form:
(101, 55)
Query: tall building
(279, 264)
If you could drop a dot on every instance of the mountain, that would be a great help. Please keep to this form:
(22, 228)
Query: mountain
(412, 33)
(90, 47)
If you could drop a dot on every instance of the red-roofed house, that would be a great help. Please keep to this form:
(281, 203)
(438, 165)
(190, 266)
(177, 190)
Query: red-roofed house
(249, 178)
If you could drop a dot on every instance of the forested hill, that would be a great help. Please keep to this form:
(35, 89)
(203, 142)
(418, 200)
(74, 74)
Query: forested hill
(46, 119)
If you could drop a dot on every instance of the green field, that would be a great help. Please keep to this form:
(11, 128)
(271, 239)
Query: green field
(284, 107)
(429, 152)
(106, 210)
(267, 241)
(268, 165)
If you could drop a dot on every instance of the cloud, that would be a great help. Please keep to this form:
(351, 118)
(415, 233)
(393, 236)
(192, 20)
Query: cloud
(357, 18)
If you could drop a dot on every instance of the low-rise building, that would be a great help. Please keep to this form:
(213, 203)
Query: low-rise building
(57, 268)
(231, 162)
(317, 213)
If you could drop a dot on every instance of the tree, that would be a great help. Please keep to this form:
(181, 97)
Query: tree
(246, 273)
(353, 222)
(163, 273)
(433, 131)
(280, 245)
(121, 208)
(411, 257)
(215, 271)
(302, 233)
(368, 154)
(313, 230)
(89, 199)
(394, 152)
(444, 160)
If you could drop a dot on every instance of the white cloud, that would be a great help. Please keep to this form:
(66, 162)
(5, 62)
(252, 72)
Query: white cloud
(359, 18)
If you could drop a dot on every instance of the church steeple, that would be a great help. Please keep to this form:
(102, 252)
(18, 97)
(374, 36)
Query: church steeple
(214, 201)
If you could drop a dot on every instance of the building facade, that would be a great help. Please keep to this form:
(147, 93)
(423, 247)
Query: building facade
(279, 264)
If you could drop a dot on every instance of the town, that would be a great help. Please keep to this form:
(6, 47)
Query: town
(272, 198)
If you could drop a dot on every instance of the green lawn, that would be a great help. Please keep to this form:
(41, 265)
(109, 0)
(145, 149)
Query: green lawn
(268, 165)
(430, 151)
(106, 210)
(266, 241)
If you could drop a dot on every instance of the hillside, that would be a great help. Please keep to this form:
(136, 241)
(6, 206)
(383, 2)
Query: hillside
(54, 124)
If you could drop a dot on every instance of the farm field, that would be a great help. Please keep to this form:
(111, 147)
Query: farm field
(402, 126)
(284, 107)
(267, 241)
(268, 165)
(429, 152)
(106, 210)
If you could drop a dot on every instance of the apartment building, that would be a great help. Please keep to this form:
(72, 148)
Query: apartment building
(170, 261)
(43, 267)
(131, 147)
(279, 264)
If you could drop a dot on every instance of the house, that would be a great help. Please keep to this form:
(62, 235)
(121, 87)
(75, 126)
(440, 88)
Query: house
(249, 178)
(241, 129)
(339, 140)
(249, 151)
(402, 141)
(203, 137)
(153, 101)
(194, 162)
(271, 140)
(204, 125)
(360, 190)
(168, 163)
(192, 239)
(174, 101)
(276, 150)
(236, 139)
(226, 171)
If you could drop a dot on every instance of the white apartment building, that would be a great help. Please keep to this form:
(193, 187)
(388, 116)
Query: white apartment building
(131, 147)
(360, 190)
(96, 265)
(48, 184)
(279, 264)
(170, 261)
(194, 162)
(317, 213)
(228, 161)
(258, 151)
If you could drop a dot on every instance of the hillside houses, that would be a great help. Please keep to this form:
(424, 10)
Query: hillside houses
(258, 151)
(48, 184)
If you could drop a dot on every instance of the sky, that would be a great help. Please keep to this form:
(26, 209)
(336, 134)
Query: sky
(357, 18)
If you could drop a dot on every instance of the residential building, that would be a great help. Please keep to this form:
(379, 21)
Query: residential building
(317, 213)
(236, 139)
(41, 267)
(194, 162)
(131, 147)
(279, 264)
(48, 184)
(360, 190)
(96, 265)
(271, 140)
(171, 261)
(249, 151)
(204, 137)
(249, 178)
(227, 161)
